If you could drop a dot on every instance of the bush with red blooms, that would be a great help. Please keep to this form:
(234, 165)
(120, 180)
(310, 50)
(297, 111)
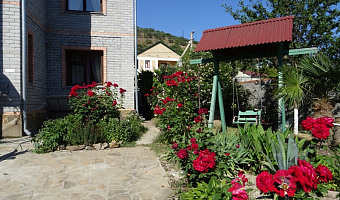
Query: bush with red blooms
(175, 105)
(319, 127)
(298, 181)
(93, 104)
(237, 190)
(195, 162)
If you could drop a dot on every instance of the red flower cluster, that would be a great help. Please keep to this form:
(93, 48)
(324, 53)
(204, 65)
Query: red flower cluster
(178, 77)
(324, 174)
(182, 153)
(121, 90)
(237, 187)
(198, 119)
(167, 99)
(203, 111)
(204, 161)
(90, 93)
(286, 182)
(319, 127)
(159, 111)
(74, 91)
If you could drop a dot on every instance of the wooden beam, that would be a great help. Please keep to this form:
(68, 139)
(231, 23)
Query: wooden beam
(201, 61)
(292, 52)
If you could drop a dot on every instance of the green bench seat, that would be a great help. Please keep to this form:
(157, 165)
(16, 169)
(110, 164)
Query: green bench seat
(250, 116)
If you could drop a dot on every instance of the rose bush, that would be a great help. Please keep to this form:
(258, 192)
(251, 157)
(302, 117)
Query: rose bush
(93, 104)
(298, 181)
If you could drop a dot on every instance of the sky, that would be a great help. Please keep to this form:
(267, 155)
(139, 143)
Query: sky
(180, 17)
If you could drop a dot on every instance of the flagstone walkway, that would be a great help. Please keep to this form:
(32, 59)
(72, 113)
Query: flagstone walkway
(113, 174)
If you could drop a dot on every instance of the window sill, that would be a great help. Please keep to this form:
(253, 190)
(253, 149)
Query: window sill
(83, 12)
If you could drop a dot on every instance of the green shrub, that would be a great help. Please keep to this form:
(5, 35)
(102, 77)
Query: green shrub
(53, 134)
(125, 130)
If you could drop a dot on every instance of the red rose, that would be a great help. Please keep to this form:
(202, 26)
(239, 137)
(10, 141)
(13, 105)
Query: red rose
(194, 146)
(115, 85)
(180, 105)
(146, 95)
(114, 103)
(198, 119)
(204, 161)
(192, 140)
(285, 183)
(182, 153)
(227, 154)
(264, 182)
(305, 175)
(199, 130)
(308, 123)
(203, 111)
(324, 174)
(90, 93)
(320, 131)
(109, 84)
(174, 146)
(121, 90)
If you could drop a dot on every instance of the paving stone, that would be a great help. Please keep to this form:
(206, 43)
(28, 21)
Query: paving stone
(119, 173)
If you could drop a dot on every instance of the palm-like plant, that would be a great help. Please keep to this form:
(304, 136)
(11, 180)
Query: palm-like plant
(293, 90)
(322, 73)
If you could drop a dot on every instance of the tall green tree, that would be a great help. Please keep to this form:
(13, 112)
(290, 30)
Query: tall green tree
(316, 23)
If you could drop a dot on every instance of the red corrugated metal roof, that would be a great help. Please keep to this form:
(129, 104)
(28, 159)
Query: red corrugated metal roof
(248, 34)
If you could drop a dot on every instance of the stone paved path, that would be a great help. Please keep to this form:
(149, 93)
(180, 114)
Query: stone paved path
(113, 174)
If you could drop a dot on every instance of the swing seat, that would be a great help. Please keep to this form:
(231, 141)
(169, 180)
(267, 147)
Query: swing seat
(248, 116)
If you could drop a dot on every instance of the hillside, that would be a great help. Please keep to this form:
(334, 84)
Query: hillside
(149, 36)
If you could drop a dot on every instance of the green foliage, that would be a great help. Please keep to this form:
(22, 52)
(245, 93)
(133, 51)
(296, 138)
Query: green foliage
(214, 190)
(323, 74)
(125, 130)
(258, 142)
(285, 155)
(54, 134)
(294, 86)
(316, 23)
(231, 158)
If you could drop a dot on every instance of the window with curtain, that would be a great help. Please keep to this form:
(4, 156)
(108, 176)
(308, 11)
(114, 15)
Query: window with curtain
(85, 5)
(84, 67)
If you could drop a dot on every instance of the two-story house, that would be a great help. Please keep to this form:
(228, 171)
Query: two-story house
(47, 46)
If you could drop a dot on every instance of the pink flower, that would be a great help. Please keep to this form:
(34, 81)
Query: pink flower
(238, 146)
(240, 195)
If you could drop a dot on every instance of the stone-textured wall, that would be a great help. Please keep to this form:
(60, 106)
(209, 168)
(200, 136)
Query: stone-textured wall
(112, 30)
(10, 68)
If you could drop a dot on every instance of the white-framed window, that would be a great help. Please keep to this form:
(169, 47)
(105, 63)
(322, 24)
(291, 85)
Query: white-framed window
(147, 64)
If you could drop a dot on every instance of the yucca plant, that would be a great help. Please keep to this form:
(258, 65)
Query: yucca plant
(284, 155)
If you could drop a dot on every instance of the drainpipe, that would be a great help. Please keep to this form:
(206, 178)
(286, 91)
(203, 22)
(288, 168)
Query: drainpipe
(23, 66)
(136, 78)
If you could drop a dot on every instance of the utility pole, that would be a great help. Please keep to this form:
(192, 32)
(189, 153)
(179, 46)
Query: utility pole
(191, 39)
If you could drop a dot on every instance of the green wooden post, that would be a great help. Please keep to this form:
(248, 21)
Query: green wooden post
(220, 103)
(282, 112)
(213, 94)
